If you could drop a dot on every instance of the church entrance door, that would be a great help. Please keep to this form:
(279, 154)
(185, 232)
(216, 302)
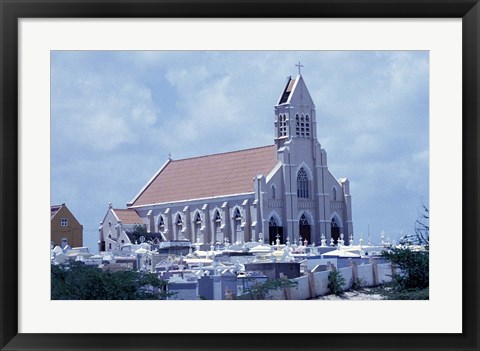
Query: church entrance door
(305, 229)
(305, 232)
(335, 230)
(275, 231)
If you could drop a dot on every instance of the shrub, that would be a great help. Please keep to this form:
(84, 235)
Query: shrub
(414, 266)
(259, 291)
(335, 282)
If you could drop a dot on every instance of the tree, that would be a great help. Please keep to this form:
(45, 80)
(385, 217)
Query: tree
(77, 281)
(413, 280)
(414, 266)
(422, 231)
(422, 227)
(138, 231)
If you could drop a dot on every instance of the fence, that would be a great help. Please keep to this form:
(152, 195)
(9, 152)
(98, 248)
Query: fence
(315, 284)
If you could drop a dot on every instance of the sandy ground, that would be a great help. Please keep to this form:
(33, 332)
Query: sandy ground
(352, 295)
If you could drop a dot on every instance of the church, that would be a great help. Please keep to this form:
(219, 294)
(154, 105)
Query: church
(283, 191)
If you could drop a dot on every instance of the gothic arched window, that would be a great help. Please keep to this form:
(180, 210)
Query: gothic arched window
(302, 184)
(217, 217)
(198, 219)
(273, 191)
(179, 222)
(161, 224)
(304, 220)
(334, 194)
(217, 223)
(272, 222)
(236, 214)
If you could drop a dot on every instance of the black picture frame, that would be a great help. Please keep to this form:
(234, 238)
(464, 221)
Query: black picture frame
(12, 11)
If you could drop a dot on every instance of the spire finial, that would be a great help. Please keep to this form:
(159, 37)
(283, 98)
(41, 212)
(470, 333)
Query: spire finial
(299, 65)
(169, 156)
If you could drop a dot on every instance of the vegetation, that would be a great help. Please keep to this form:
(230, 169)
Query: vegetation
(138, 232)
(335, 282)
(77, 281)
(413, 280)
(260, 291)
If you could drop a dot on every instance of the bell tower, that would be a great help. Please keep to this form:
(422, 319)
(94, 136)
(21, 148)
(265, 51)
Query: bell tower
(295, 112)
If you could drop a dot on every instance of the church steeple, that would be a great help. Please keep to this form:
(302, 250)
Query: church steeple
(295, 112)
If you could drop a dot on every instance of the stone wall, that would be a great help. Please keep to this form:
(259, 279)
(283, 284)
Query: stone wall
(313, 285)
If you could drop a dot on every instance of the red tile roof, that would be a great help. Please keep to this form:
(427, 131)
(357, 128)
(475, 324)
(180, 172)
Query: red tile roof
(128, 216)
(207, 176)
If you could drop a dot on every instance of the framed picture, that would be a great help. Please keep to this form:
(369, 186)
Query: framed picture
(37, 35)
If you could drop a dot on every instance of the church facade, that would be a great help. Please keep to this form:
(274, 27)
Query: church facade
(282, 191)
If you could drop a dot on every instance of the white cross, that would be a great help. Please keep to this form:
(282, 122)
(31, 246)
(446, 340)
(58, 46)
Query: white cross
(299, 67)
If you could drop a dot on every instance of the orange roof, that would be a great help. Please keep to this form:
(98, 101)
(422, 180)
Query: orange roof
(128, 216)
(207, 176)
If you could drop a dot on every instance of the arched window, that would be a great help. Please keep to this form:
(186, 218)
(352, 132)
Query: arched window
(217, 223)
(161, 224)
(272, 222)
(198, 219)
(198, 225)
(304, 220)
(236, 214)
(217, 217)
(179, 225)
(334, 194)
(302, 184)
(179, 220)
(273, 191)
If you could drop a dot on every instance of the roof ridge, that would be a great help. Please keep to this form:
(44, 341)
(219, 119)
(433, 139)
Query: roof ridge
(223, 153)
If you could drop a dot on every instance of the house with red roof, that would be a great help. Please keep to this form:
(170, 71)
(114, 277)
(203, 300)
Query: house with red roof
(283, 191)
(116, 228)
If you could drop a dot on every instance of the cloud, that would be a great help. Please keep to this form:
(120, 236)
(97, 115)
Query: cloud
(117, 115)
(100, 113)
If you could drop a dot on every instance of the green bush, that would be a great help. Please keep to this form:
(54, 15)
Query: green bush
(259, 291)
(77, 281)
(335, 282)
(414, 267)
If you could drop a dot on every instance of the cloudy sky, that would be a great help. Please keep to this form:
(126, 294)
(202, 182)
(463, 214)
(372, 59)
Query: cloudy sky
(116, 115)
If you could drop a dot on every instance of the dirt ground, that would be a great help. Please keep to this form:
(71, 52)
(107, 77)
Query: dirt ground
(353, 295)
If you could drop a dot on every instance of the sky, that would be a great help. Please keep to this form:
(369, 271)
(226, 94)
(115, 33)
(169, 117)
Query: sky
(116, 115)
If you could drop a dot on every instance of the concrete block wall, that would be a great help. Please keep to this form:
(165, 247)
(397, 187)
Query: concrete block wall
(384, 273)
(316, 284)
(365, 275)
(348, 276)
(301, 291)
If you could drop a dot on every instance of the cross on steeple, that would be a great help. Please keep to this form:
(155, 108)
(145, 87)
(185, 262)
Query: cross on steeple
(299, 65)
